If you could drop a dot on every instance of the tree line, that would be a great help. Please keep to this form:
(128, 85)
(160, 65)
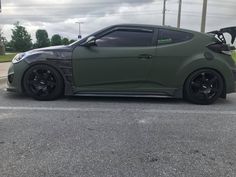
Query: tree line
(21, 40)
(2, 47)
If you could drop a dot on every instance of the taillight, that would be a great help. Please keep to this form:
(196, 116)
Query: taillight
(220, 48)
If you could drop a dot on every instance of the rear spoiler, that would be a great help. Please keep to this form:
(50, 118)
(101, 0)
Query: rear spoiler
(220, 34)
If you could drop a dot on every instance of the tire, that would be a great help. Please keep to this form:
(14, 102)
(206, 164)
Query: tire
(43, 82)
(203, 87)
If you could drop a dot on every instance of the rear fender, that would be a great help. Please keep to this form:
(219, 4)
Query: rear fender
(196, 64)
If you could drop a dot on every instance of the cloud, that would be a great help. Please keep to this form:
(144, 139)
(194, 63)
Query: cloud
(59, 16)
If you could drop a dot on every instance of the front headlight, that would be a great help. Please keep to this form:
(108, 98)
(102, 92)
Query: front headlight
(18, 58)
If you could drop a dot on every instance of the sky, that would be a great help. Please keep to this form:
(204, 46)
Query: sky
(60, 16)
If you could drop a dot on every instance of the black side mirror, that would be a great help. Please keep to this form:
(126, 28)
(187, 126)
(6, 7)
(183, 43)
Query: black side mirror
(91, 41)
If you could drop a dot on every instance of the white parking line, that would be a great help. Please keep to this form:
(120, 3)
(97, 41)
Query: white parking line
(116, 110)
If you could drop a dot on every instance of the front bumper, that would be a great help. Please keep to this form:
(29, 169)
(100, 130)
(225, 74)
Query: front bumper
(15, 75)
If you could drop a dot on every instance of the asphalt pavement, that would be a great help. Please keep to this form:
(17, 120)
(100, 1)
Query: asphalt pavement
(116, 137)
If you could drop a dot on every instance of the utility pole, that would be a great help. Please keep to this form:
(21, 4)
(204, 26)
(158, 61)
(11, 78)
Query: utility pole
(164, 13)
(0, 6)
(80, 23)
(204, 12)
(179, 14)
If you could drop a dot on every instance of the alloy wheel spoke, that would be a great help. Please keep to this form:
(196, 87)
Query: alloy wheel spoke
(47, 75)
(34, 83)
(196, 84)
(42, 82)
(199, 94)
(37, 74)
(204, 86)
(51, 83)
(206, 95)
(203, 76)
(214, 90)
(213, 80)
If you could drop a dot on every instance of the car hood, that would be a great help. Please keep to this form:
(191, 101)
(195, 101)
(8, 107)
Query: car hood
(55, 53)
(61, 48)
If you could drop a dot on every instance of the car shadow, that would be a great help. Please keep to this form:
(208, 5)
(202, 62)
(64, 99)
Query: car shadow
(17, 96)
(144, 100)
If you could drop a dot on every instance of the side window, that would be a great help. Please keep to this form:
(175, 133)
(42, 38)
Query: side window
(126, 38)
(170, 36)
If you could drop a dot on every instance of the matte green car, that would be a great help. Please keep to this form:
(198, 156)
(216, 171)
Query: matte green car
(131, 60)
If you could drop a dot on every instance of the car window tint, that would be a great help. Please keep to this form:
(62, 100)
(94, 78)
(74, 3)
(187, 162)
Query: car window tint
(170, 36)
(126, 38)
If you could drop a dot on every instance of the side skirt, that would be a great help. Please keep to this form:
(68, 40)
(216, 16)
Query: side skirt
(125, 94)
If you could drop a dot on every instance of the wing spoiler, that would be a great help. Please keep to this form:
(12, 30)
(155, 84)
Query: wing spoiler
(229, 30)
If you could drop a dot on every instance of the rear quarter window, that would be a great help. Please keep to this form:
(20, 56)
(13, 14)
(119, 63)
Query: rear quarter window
(166, 36)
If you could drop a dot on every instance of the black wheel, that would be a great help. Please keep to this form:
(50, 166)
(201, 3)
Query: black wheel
(43, 82)
(203, 87)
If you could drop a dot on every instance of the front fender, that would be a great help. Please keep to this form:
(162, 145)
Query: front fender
(61, 61)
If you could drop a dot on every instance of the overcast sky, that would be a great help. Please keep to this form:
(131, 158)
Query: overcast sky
(59, 16)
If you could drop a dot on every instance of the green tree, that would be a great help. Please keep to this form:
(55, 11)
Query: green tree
(56, 40)
(2, 42)
(72, 40)
(65, 41)
(21, 39)
(42, 39)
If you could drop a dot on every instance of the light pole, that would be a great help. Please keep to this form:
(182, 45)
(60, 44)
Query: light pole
(164, 13)
(204, 12)
(179, 14)
(80, 23)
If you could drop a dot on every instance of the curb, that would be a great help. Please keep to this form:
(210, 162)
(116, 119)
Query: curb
(3, 80)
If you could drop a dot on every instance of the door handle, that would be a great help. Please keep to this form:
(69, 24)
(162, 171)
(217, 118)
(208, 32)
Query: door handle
(145, 56)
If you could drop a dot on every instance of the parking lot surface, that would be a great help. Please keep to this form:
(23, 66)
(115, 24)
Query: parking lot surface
(116, 137)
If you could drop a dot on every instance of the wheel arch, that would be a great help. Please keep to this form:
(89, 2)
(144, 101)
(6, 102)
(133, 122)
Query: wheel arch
(219, 66)
(223, 94)
(47, 64)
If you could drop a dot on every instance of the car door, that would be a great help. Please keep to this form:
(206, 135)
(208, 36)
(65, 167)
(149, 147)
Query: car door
(119, 61)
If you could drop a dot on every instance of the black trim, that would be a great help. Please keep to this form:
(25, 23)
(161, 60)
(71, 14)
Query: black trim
(124, 94)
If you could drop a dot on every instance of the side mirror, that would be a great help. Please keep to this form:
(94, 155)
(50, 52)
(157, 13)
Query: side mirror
(91, 41)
